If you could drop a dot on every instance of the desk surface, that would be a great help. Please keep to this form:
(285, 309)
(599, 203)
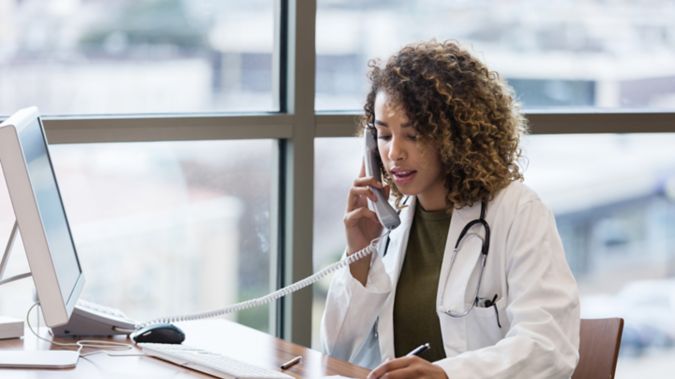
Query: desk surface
(226, 337)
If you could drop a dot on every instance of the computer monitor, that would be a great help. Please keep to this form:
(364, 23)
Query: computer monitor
(40, 215)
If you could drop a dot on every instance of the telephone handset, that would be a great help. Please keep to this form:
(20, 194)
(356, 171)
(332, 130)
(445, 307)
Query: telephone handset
(384, 211)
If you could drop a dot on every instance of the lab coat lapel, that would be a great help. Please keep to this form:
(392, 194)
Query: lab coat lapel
(393, 261)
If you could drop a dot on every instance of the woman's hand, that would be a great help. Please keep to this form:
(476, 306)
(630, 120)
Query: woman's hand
(407, 367)
(361, 224)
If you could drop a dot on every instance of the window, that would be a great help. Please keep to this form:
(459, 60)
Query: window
(554, 54)
(170, 228)
(131, 56)
(203, 207)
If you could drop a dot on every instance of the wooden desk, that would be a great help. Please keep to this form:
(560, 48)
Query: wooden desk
(226, 337)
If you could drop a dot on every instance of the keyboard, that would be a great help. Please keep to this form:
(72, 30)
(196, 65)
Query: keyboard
(209, 362)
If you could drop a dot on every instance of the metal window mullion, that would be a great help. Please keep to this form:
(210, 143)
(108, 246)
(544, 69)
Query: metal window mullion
(278, 214)
(540, 122)
(280, 126)
(298, 98)
(166, 128)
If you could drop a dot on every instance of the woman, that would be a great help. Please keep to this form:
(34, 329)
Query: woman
(448, 131)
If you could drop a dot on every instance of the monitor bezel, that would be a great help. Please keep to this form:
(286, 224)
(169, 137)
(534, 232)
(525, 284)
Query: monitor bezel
(55, 307)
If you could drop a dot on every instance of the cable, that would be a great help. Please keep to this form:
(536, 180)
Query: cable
(81, 344)
(276, 294)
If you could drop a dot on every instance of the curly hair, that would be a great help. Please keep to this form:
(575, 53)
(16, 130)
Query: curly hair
(462, 109)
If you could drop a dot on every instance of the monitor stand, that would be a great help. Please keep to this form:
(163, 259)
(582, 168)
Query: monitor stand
(10, 327)
(87, 319)
(31, 358)
(5, 258)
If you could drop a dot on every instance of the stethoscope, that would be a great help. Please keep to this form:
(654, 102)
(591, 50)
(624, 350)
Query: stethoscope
(485, 248)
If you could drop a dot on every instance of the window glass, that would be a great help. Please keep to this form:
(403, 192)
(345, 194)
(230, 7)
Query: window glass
(336, 166)
(614, 201)
(554, 53)
(167, 228)
(129, 56)
(613, 197)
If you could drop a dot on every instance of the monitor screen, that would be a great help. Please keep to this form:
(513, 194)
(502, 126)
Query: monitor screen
(40, 215)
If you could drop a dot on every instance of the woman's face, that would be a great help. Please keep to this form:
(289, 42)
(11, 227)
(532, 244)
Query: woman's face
(415, 167)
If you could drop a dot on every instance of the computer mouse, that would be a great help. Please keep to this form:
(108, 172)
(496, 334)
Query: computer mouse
(159, 333)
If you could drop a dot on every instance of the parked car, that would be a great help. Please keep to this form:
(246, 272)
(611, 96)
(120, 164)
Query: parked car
(648, 310)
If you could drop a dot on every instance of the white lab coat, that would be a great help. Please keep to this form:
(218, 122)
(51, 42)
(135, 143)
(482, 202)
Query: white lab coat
(538, 300)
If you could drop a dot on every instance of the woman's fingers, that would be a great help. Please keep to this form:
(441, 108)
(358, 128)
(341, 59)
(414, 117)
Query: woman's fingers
(355, 216)
(361, 189)
(361, 192)
(388, 366)
(367, 181)
(407, 367)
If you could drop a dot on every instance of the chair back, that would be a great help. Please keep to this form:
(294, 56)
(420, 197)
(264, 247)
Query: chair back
(600, 340)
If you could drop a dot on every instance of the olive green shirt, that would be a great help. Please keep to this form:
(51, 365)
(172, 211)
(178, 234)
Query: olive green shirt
(415, 318)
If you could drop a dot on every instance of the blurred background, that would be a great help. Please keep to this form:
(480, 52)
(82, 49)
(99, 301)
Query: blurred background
(205, 208)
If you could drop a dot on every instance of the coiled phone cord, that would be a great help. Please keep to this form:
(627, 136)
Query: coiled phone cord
(262, 300)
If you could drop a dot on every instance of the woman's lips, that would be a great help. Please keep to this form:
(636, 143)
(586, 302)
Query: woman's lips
(403, 176)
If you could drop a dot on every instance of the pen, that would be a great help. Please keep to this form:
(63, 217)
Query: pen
(419, 349)
(291, 363)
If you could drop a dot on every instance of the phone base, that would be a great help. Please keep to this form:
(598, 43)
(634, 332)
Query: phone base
(83, 324)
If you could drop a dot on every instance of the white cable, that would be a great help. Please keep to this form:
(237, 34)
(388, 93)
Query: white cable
(276, 294)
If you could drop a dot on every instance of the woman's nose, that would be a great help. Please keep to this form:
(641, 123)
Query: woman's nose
(396, 150)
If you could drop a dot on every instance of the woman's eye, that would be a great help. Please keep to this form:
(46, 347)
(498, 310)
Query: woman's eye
(384, 137)
(413, 137)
